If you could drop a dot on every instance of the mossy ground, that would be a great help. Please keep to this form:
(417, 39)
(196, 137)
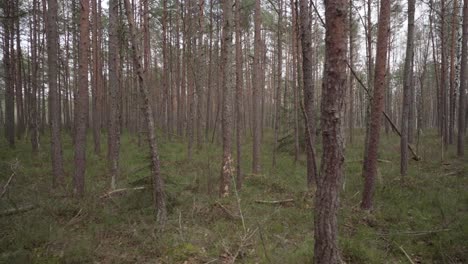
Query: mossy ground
(425, 216)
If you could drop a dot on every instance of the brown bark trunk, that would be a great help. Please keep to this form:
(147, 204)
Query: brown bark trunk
(96, 81)
(81, 107)
(309, 90)
(463, 83)
(52, 50)
(9, 82)
(239, 97)
(158, 183)
(334, 88)
(407, 87)
(377, 105)
(227, 168)
(257, 76)
(279, 71)
(114, 87)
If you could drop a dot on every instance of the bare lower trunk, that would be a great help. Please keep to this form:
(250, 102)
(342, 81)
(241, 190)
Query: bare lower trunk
(81, 107)
(370, 160)
(52, 49)
(158, 183)
(309, 90)
(464, 83)
(227, 169)
(334, 87)
(407, 87)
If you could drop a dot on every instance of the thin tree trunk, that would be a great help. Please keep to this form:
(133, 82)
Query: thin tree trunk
(256, 163)
(463, 83)
(81, 108)
(309, 90)
(239, 97)
(227, 169)
(158, 183)
(52, 49)
(114, 87)
(407, 86)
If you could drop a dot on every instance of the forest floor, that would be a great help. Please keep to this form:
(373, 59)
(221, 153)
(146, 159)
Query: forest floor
(421, 220)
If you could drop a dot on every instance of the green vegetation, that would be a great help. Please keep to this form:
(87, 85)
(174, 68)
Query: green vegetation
(425, 216)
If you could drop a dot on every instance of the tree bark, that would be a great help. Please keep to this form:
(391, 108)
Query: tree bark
(81, 107)
(407, 86)
(239, 97)
(9, 82)
(377, 105)
(227, 169)
(257, 76)
(463, 83)
(114, 87)
(52, 50)
(309, 90)
(158, 183)
(334, 87)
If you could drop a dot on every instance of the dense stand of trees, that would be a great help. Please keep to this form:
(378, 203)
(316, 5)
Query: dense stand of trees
(224, 72)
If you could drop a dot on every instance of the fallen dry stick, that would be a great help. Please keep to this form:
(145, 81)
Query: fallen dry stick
(275, 202)
(109, 194)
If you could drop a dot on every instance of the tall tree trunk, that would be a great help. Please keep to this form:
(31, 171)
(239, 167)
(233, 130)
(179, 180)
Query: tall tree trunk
(227, 169)
(114, 84)
(257, 76)
(9, 82)
(52, 50)
(309, 90)
(463, 83)
(333, 93)
(158, 183)
(377, 105)
(81, 108)
(279, 70)
(351, 78)
(34, 112)
(96, 81)
(239, 97)
(19, 77)
(407, 86)
(453, 93)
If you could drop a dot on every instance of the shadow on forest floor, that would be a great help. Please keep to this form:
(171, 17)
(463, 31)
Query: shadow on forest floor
(424, 218)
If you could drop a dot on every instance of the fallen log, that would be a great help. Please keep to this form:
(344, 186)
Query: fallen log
(18, 210)
(275, 202)
(109, 194)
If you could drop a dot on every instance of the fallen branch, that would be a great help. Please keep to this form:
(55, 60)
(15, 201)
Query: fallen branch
(227, 211)
(109, 194)
(17, 210)
(417, 233)
(361, 160)
(394, 128)
(275, 202)
(406, 254)
(13, 167)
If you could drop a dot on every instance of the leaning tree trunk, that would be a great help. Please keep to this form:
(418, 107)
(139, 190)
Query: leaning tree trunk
(334, 87)
(52, 49)
(407, 86)
(370, 160)
(158, 183)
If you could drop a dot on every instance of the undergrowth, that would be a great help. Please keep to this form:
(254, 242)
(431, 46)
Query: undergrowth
(422, 217)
